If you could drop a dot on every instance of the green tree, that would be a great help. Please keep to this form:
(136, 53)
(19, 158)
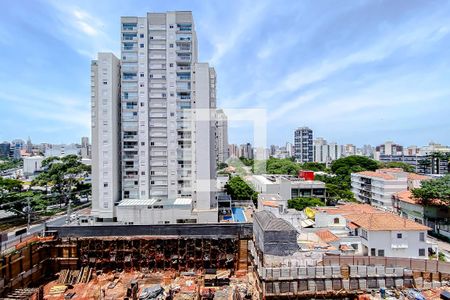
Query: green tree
(238, 189)
(301, 203)
(314, 166)
(354, 163)
(10, 164)
(398, 164)
(246, 161)
(63, 175)
(434, 189)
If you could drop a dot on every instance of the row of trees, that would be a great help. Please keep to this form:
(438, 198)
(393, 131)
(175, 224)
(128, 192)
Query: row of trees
(61, 180)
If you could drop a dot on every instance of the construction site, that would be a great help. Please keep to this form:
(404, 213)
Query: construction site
(200, 261)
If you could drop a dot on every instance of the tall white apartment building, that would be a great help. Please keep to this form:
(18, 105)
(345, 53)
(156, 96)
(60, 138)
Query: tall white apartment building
(222, 136)
(105, 111)
(326, 152)
(167, 127)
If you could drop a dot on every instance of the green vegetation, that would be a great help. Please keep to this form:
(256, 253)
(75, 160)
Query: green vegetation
(10, 164)
(398, 164)
(434, 189)
(285, 166)
(63, 176)
(238, 189)
(302, 203)
(246, 161)
(221, 166)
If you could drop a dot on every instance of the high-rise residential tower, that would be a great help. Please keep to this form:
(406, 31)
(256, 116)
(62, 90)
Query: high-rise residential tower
(167, 126)
(222, 136)
(303, 144)
(105, 112)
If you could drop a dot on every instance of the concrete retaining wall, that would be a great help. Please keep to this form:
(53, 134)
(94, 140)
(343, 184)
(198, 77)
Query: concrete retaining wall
(240, 230)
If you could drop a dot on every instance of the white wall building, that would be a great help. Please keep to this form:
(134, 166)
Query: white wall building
(222, 136)
(167, 126)
(32, 164)
(288, 187)
(105, 101)
(377, 188)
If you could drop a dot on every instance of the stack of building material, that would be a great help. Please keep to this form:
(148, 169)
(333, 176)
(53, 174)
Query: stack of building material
(57, 289)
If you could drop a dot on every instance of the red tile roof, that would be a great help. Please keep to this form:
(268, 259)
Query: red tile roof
(326, 235)
(384, 221)
(377, 174)
(348, 209)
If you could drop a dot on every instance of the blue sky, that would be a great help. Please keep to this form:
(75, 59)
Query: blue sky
(354, 71)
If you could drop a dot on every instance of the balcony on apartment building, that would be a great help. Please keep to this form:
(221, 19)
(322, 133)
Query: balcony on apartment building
(127, 27)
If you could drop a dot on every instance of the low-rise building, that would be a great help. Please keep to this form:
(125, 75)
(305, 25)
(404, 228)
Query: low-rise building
(287, 186)
(377, 187)
(435, 213)
(157, 211)
(374, 232)
(32, 164)
(386, 234)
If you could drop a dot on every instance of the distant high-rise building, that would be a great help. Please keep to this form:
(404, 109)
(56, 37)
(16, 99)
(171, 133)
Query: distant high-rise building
(303, 145)
(85, 150)
(233, 150)
(29, 147)
(105, 95)
(246, 150)
(5, 150)
(388, 148)
(221, 136)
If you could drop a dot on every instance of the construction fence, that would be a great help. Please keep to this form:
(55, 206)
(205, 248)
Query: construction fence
(422, 265)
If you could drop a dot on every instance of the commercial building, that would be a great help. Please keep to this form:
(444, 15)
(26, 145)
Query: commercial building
(303, 145)
(105, 112)
(287, 186)
(221, 136)
(246, 151)
(423, 164)
(166, 128)
(85, 150)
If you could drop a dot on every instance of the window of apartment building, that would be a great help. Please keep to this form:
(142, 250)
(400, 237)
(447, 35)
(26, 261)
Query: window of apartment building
(170, 26)
(373, 251)
(105, 184)
(380, 252)
(421, 252)
(336, 221)
(105, 82)
(142, 173)
(171, 65)
(141, 74)
(171, 45)
(422, 236)
(399, 235)
(141, 35)
(364, 234)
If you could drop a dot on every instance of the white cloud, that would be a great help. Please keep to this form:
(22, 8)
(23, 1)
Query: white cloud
(249, 14)
(81, 30)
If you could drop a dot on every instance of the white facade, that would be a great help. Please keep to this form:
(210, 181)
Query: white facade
(378, 187)
(408, 244)
(166, 126)
(32, 164)
(222, 136)
(105, 97)
(288, 187)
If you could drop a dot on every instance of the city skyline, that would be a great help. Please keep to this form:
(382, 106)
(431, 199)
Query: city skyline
(383, 80)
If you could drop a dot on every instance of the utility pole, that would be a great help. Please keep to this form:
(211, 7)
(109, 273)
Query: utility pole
(28, 214)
